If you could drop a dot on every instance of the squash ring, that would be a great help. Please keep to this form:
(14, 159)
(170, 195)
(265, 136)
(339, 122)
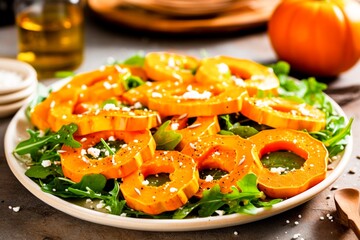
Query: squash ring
(195, 99)
(202, 126)
(169, 196)
(164, 66)
(139, 146)
(245, 73)
(233, 154)
(295, 181)
(277, 112)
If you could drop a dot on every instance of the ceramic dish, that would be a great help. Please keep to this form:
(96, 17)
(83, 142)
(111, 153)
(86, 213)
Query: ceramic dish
(17, 131)
(25, 75)
(19, 95)
(8, 109)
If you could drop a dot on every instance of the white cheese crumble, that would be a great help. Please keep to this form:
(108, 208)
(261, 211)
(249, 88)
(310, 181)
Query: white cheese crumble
(209, 178)
(192, 94)
(172, 189)
(15, 209)
(46, 163)
(110, 106)
(278, 170)
(94, 152)
(174, 126)
(156, 95)
(145, 182)
(101, 204)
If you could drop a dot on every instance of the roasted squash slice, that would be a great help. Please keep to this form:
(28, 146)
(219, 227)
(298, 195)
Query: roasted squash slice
(232, 154)
(295, 181)
(121, 119)
(170, 196)
(190, 132)
(138, 147)
(164, 66)
(246, 73)
(195, 99)
(278, 112)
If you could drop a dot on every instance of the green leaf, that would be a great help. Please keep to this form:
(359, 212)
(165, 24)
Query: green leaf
(95, 182)
(111, 152)
(64, 74)
(236, 201)
(40, 172)
(166, 139)
(281, 68)
(36, 145)
(135, 60)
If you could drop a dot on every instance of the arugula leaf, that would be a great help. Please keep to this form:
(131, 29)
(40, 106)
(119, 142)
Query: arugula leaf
(38, 145)
(91, 186)
(244, 201)
(132, 82)
(107, 147)
(312, 92)
(236, 129)
(137, 60)
(40, 172)
(64, 74)
(166, 139)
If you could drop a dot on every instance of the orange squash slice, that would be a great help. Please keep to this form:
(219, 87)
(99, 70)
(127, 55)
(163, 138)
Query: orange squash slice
(164, 66)
(138, 147)
(246, 73)
(195, 99)
(232, 154)
(277, 112)
(295, 181)
(190, 132)
(170, 196)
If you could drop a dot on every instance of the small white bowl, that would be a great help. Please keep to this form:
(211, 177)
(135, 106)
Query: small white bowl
(19, 95)
(8, 109)
(21, 75)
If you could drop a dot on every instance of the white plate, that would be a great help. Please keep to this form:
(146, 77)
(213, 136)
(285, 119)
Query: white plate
(16, 132)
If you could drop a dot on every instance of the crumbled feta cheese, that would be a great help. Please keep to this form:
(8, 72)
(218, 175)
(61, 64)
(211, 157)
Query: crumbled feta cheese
(93, 152)
(192, 94)
(46, 163)
(145, 182)
(278, 170)
(172, 189)
(209, 178)
(174, 126)
(16, 209)
(156, 95)
(110, 106)
(101, 204)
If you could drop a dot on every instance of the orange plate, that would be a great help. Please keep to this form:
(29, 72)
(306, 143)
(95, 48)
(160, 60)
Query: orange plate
(230, 20)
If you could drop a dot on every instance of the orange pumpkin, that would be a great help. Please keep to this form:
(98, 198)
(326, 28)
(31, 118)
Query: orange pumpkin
(320, 38)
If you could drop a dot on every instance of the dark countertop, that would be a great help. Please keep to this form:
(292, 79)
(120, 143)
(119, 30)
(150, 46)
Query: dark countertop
(37, 220)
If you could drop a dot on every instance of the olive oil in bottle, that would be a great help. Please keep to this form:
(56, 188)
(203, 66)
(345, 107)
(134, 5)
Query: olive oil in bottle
(51, 36)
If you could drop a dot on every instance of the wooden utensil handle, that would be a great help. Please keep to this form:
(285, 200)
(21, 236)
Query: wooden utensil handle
(354, 224)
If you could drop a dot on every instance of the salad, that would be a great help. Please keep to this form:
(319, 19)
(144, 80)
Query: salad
(172, 136)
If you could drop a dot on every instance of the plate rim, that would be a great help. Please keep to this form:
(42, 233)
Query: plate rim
(163, 225)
